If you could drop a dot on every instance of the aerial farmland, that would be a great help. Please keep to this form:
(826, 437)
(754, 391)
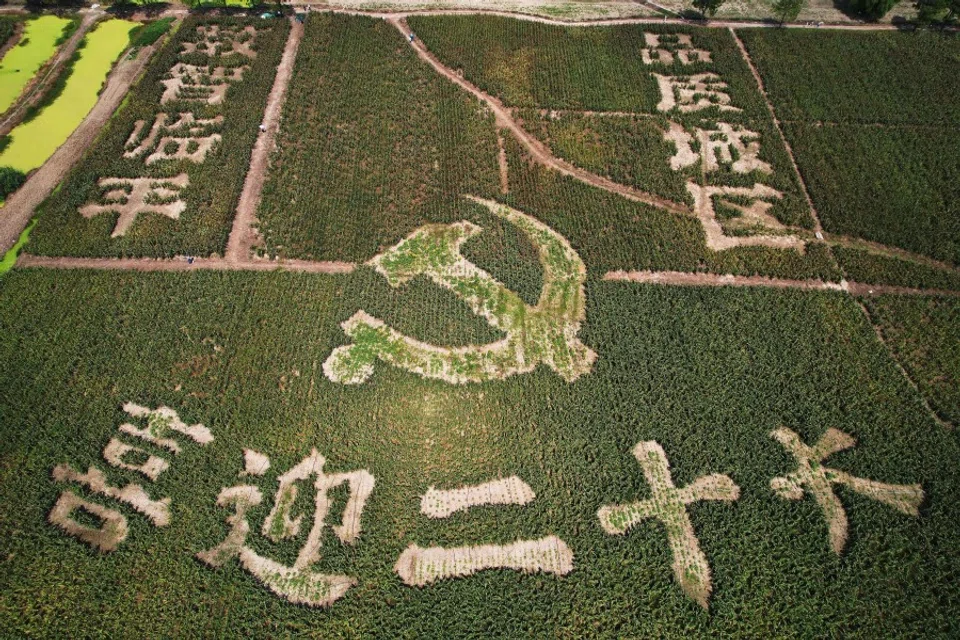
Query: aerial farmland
(541, 319)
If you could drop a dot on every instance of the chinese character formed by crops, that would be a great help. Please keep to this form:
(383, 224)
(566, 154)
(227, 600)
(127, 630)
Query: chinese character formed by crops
(731, 145)
(217, 40)
(182, 138)
(162, 423)
(298, 583)
(660, 48)
(419, 567)
(814, 478)
(750, 224)
(129, 197)
(199, 84)
(545, 333)
(668, 504)
(693, 93)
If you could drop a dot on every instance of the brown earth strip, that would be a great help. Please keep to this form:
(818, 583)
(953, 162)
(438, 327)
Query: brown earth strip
(539, 151)
(688, 279)
(14, 39)
(45, 78)
(183, 264)
(244, 236)
(401, 15)
(18, 209)
(887, 251)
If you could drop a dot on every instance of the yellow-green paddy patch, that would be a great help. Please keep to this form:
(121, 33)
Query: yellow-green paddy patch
(36, 46)
(35, 141)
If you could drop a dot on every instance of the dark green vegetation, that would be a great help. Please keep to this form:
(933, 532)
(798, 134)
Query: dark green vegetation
(898, 186)
(707, 373)
(889, 171)
(924, 335)
(10, 181)
(150, 33)
(215, 184)
(859, 77)
(532, 65)
(376, 144)
(7, 27)
(863, 266)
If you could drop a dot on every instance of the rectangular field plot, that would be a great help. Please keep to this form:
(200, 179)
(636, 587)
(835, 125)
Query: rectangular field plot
(924, 335)
(165, 176)
(381, 134)
(873, 122)
(700, 378)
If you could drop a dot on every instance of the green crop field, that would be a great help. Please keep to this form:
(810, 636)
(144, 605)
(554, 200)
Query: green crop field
(450, 326)
(37, 44)
(873, 120)
(214, 185)
(924, 334)
(707, 374)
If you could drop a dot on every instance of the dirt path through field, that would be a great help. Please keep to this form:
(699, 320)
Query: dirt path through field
(243, 236)
(504, 167)
(540, 152)
(39, 85)
(601, 22)
(687, 279)
(183, 264)
(18, 209)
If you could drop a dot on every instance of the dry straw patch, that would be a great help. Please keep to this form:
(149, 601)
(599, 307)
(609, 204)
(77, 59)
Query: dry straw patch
(753, 217)
(668, 504)
(107, 538)
(254, 463)
(419, 567)
(545, 333)
(114, 454)
(157, 511)
(160, 422)
(814, 478)
(442, 504)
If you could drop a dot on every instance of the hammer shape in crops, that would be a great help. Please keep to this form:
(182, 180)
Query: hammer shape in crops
(545, 333)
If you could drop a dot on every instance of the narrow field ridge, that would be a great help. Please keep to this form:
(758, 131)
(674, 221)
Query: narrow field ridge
(688, 279)
(183, 264)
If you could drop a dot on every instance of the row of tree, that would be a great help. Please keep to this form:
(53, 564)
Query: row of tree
(944, 12)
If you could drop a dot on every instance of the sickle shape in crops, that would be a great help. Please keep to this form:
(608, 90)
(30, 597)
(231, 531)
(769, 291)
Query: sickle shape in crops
(545, 333)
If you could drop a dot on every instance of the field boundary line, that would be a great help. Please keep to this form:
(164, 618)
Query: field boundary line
(540, 152)
(587, 113)
(243, 235)
(182, 263)
(893, 356)
(817, 227)
(503, 165)
(701, 279)
(402, 14)
(35, 91)
(19, 208)
(872, 125)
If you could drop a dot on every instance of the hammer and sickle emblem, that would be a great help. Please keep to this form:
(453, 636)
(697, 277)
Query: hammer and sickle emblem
(545, 333)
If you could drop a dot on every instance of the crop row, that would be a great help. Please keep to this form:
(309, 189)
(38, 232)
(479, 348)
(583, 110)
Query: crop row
(214, 184)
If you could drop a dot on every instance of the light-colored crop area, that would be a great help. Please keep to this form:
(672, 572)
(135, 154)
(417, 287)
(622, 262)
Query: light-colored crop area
(37, 44)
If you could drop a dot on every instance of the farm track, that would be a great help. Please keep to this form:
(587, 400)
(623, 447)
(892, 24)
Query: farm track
(37, 88)
(244, 236)
(602, 22)
(18, 209)
(689, 279)
(181, 264)
(539, 151)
